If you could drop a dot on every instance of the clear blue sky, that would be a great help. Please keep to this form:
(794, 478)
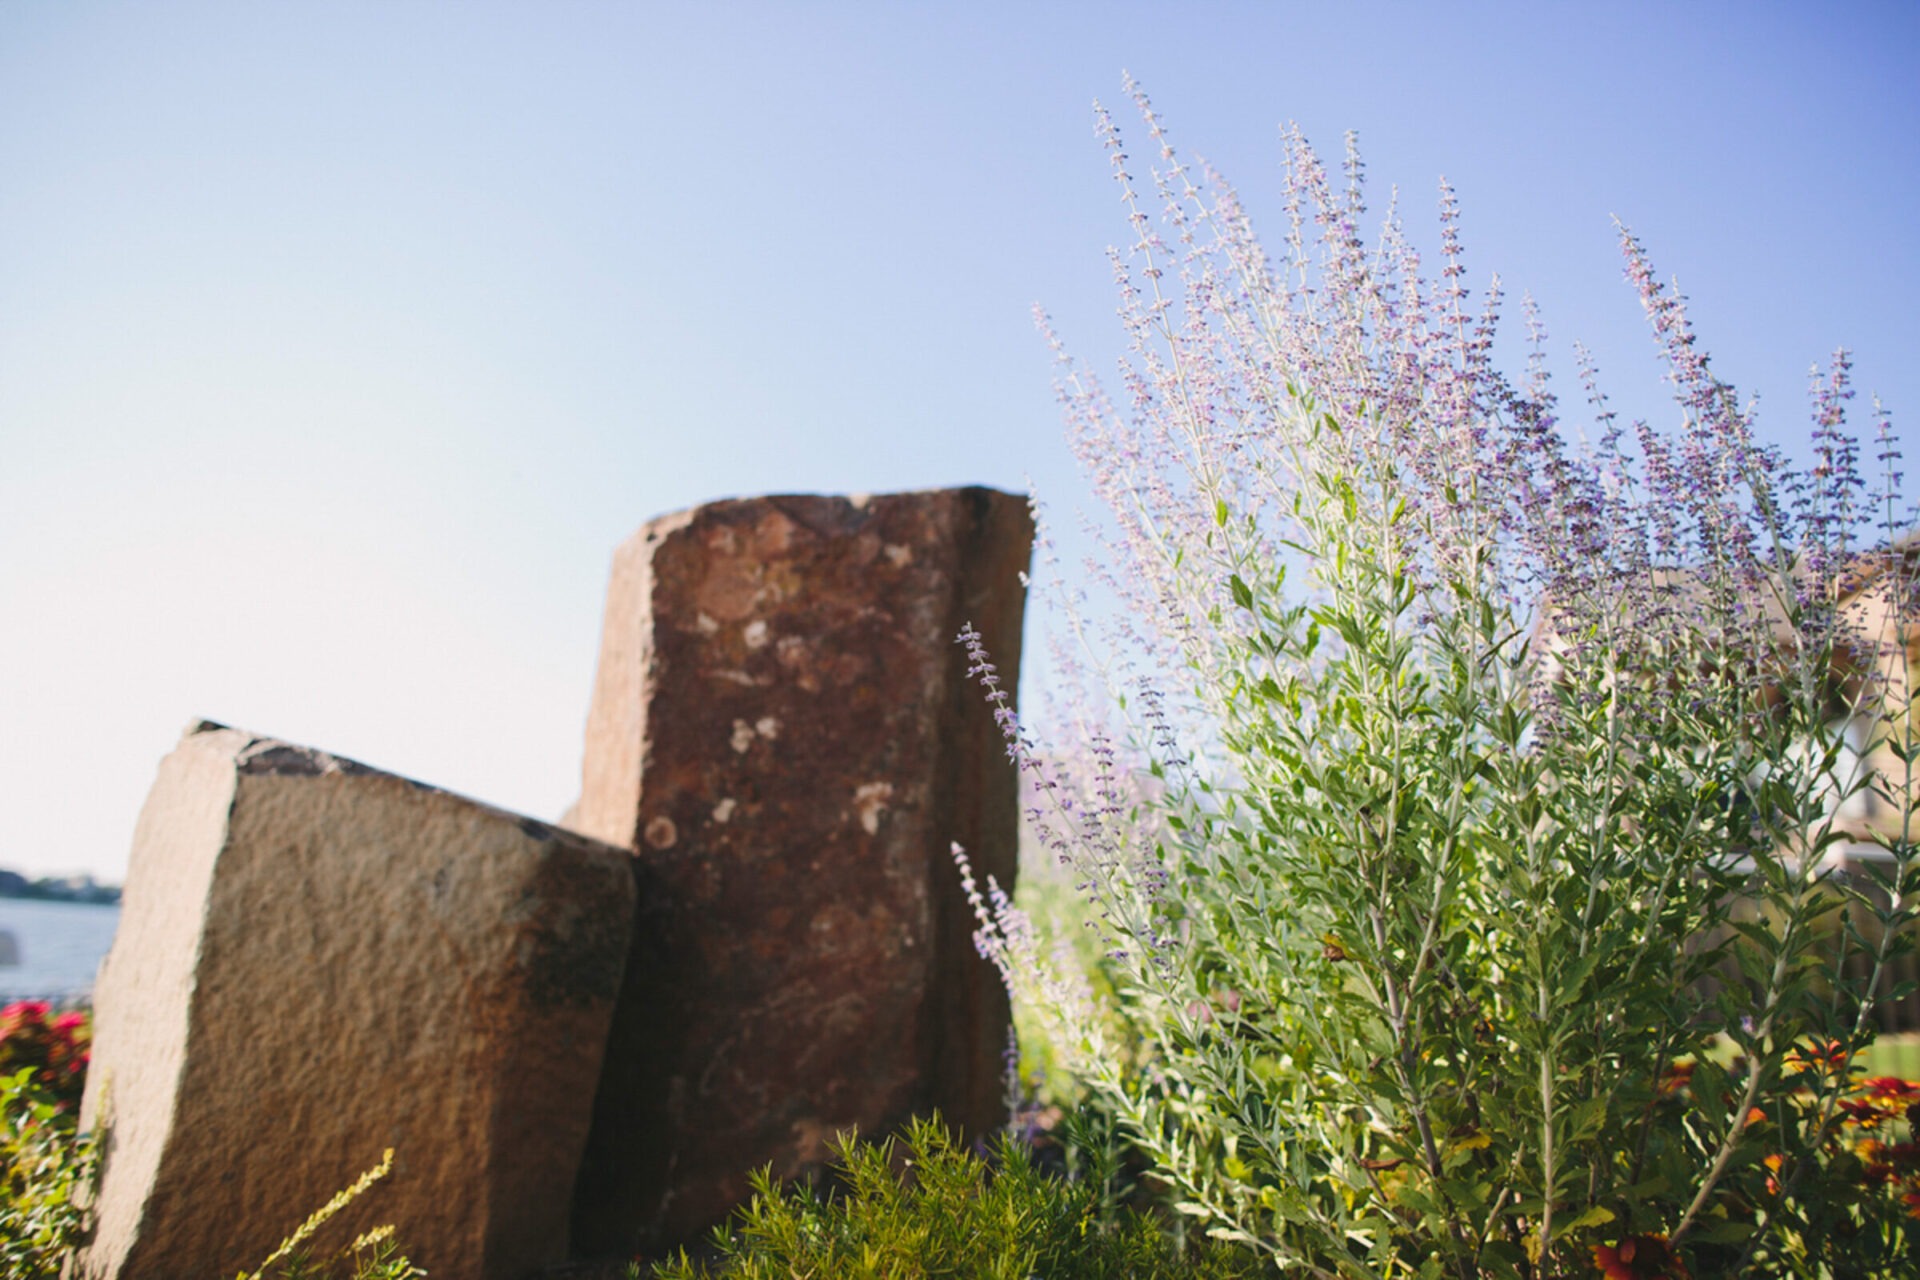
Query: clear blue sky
(341, 343)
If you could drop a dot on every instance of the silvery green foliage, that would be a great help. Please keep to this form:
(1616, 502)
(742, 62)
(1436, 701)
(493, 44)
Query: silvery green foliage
(1446, 752)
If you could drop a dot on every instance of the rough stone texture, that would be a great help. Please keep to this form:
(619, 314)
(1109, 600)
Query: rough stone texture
(317, 961)
(783, 729)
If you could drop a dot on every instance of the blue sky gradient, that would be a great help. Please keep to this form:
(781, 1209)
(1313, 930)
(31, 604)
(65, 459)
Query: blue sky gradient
(340, 344)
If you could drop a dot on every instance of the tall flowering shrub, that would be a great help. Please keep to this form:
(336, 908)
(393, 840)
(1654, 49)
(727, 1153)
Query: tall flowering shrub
(1440, 751)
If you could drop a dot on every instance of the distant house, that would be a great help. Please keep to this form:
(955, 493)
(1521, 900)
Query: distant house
(1870, 688)
(1876, 680)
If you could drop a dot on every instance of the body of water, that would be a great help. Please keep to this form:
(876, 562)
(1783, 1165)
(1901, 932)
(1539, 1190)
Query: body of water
(60, 946)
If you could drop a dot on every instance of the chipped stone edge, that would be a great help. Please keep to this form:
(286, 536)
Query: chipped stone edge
(266, 756)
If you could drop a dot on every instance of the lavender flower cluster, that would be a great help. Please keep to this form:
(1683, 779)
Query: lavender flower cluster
(1249, 378)
(1417, 727)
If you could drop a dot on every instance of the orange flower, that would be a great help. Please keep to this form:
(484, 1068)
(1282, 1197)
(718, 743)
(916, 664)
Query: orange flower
(1891, 1089)
(1892, 1163)
(1677, 1077)
(1863, 1113)
(1829, 1058)
(1773, 1163)
(1639, 1258)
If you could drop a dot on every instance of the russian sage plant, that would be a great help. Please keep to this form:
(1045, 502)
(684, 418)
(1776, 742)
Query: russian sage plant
(1499, 841)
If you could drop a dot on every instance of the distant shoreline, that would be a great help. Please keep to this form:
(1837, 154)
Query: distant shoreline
(82, 888)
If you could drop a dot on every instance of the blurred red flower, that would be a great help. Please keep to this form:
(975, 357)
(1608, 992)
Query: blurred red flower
(1639, 1258)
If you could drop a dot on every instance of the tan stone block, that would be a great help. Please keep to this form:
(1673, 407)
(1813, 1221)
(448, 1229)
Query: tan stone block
(317, 961)
(783, 729)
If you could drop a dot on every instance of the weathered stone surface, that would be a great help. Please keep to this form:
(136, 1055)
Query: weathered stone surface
(317, 961)
(783, 729)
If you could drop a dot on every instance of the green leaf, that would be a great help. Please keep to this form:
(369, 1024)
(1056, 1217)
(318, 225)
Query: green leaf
(1585, 1119)
(1724, 1230)
(1597, 1216)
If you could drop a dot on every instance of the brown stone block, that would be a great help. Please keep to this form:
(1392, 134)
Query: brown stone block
(317, 961)
(783, 729)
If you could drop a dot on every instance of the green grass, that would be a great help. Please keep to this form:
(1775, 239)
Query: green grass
(1895, 1055)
